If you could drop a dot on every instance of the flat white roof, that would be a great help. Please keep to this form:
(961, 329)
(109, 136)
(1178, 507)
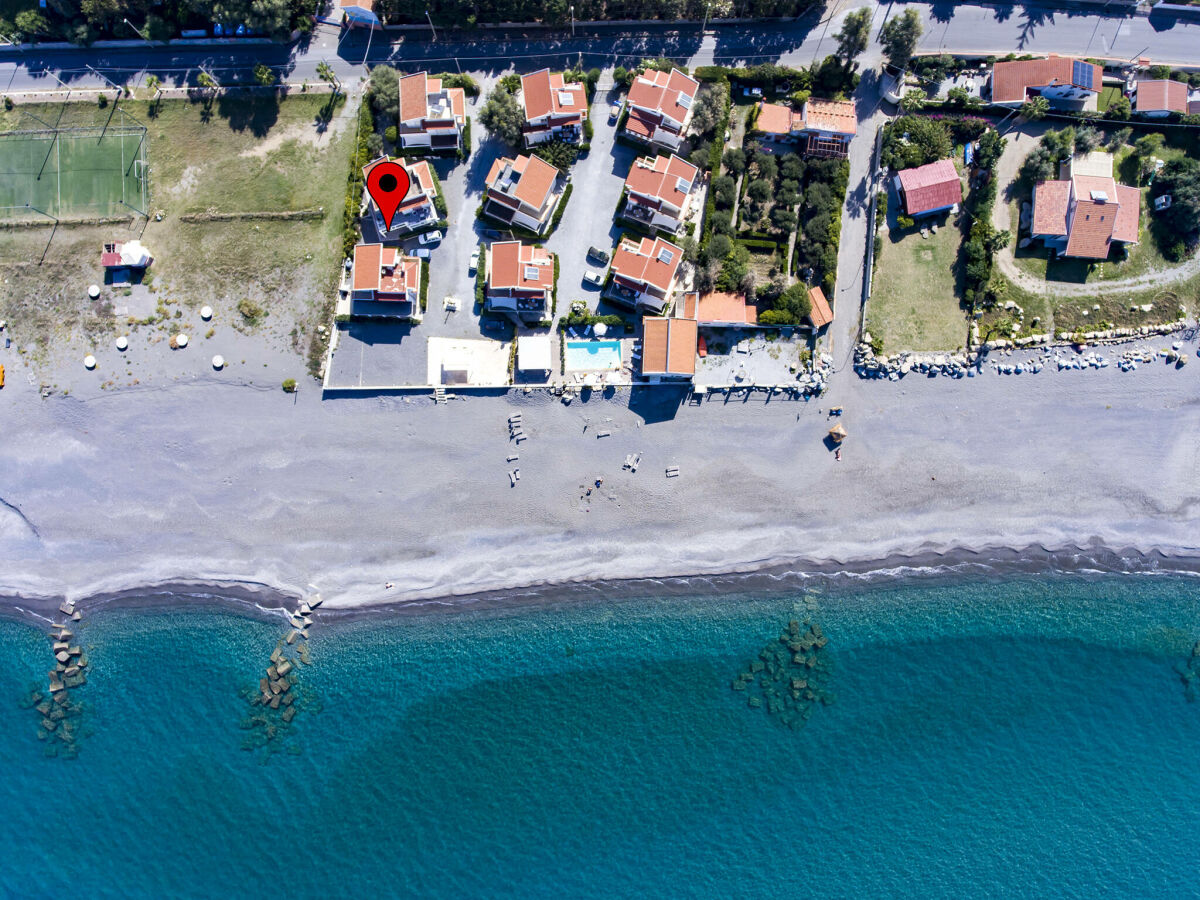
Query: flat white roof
(534, 352)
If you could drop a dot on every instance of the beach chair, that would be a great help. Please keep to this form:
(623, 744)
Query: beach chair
(513, 457)
(672, 471)
(603, 434)
(512, 480)
(637, 458)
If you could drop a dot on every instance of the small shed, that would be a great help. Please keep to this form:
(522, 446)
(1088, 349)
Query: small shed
(534, 353)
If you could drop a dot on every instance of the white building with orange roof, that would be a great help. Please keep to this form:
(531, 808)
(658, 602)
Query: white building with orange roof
(416, 212)
(524, 191)
(660, 191)
(1065, 82)
(669, 349)
(822, 127)
(644, 274)
(554, 110)
(385, 283)
(1087, 212)
(520, 280)
(660, 107)
(431, 116)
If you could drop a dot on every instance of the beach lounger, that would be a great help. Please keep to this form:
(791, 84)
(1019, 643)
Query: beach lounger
(637, 458)
(517, 474)
(672, 471)
(514, 419)
(512, 480)
(628, 461)
(601, 434)
(513, 458)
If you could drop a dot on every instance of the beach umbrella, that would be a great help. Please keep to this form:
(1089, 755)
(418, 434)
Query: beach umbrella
(601, 329)
(94, 291)
(206, 313)
(838, 432)
(122, 342)
(218, 362)
(89, 361)
(181, 340)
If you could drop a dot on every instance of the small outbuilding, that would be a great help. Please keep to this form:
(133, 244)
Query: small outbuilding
(534, 353)
(929, 189)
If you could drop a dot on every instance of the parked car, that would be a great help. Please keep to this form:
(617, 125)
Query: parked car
(474, 264)
(421, 252)
(430, 237)
(594, 278)
(597, 254)
(615, 112)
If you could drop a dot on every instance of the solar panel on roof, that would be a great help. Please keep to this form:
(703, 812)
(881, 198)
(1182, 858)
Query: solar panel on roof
(1083, 74)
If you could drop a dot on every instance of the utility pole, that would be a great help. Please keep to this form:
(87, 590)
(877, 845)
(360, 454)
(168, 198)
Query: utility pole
(429, 18)
(370, 35)
(11, 42)
(704, 24)
(105, 77)
(572, 21)
(138, 30)
(59, 80)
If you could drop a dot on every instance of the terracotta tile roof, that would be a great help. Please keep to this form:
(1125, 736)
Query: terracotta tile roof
(420, 182)
(837, 116)
(544, 94)
(1193, 108)
(653, 262)
(512, 264)
(1086, 186)
(931, 186)
(773, 118)
(534, 179)
(670, 93)
(1161, 94)
(1051, 199)
(458, 102)
(1011, 80)
(641, 123)
(660, 178)
(668, 346)
(1091, 228)
(414, 96)
(721, 307)
(690, 301)
(1129, 214)
(820, 314)
(369, 262)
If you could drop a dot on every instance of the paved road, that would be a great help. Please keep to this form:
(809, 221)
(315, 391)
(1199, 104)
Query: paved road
(949, 26)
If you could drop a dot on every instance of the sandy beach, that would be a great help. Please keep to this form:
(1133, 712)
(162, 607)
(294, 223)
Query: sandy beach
(205, 481)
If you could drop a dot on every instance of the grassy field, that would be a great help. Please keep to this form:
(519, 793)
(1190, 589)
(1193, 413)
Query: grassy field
(68, 175)
(242, 155)
(914, 301)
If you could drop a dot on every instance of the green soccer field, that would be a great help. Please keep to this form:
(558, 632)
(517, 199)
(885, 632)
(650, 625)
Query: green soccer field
(72, 174)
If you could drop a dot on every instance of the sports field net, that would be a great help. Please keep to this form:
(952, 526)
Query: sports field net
(74, 169)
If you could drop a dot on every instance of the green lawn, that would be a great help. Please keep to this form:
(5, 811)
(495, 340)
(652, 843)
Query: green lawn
(1107, 96)
(914, 302)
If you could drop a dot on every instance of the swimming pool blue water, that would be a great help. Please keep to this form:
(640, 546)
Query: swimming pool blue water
(594, 355)
(1013, 738)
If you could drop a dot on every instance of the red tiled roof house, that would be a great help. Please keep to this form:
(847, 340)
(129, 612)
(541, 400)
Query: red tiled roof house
(669, 348)
(1086, 213)
(659, 192)
(824, 127)
(430, 115)
(524, 192)
(1067, 83)
(929, 189)
(718, 309)
(520, 280)
(385, 283)
(416, 211)
(1160, 97)
(660, 108)
(553, 110)
(643, 274)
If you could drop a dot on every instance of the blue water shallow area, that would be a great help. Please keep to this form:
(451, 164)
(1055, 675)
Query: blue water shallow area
(1027, 737)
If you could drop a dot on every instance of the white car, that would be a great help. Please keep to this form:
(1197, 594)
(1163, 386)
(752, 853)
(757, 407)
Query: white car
(421, 253)
(615, 112)
(474, 264)
(430, 237)
(593, 278)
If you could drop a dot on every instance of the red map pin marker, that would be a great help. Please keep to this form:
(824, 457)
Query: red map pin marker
(387, 183)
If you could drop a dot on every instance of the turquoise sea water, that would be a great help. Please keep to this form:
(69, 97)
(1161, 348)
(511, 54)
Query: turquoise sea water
(1024, 737)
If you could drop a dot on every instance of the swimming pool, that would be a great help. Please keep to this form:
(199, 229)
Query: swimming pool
(594, 356)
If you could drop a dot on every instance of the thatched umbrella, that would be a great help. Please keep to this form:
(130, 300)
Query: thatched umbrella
(838, 432)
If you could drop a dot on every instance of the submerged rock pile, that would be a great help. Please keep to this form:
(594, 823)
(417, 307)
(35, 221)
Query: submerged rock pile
(277, 699)
(790, 675)
(58, 725)
(1189, 673)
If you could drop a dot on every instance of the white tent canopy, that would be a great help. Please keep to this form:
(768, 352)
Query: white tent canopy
(134, 254)
(534, 353)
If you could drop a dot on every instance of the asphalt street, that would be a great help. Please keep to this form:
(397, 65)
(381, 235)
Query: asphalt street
(948, 26)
